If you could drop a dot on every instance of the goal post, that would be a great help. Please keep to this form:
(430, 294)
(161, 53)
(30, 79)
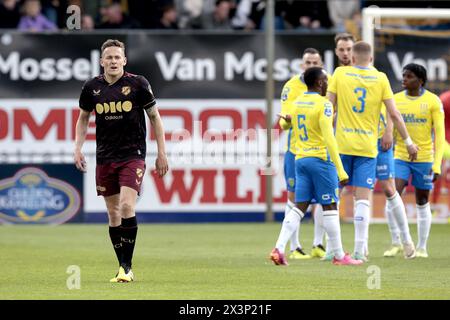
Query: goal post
(371, 18)
(399, 36)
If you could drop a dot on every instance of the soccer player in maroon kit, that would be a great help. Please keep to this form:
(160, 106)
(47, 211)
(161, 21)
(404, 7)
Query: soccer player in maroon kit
(120, 100)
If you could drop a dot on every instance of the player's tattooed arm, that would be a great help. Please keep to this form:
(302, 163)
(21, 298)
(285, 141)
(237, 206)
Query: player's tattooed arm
(161, 162)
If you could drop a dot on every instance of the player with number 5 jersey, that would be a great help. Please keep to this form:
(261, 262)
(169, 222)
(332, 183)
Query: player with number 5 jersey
(317, 176)
(291, 91)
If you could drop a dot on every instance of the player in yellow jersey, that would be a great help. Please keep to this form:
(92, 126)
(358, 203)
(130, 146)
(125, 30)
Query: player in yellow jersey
(343, 49)
(385, 161)
(422, 112)
(359, 91)
(316, 176)
(291, 90)
(395, 208)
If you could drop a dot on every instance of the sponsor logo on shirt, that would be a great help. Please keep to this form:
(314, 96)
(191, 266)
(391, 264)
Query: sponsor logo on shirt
(411, 118)
(113, 107)
(326, 197)
(361, 76)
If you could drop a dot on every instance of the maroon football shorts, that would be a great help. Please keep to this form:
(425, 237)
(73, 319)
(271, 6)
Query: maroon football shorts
(110, 177)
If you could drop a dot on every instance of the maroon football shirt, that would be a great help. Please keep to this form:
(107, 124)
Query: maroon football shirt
(119, 116)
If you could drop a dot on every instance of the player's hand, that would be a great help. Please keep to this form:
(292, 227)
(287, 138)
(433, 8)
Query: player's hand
(286, 117)
(80, 161)
(435, 176)
(161, 165)
(343, 183)
(343, 178)
(412, 150)
(387, 140)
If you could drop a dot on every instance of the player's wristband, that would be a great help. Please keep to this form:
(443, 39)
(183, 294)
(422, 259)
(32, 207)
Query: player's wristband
(408, 141)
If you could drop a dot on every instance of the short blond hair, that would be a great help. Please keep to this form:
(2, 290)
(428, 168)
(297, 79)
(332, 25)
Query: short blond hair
(362, 48)
(362, 52)
(113, 43)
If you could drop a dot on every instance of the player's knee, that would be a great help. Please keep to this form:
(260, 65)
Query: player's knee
(361, 193)
(421, 199)
(388, 189)
(115, 218)
(303, 206)
(126, 209)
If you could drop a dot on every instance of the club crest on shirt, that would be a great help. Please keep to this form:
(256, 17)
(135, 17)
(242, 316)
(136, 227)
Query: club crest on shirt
(139, 172)
(126, 90)
(96, 92)
(423, 108)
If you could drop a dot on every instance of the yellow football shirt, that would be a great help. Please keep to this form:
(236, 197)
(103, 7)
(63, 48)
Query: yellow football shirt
(291, 90)
(360, 92)
(421, 114)
(312, 126)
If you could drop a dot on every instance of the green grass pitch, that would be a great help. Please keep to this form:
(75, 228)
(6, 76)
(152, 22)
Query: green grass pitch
(210, 261)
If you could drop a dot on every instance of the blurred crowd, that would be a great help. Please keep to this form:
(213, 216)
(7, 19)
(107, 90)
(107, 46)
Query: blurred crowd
(338, 15)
